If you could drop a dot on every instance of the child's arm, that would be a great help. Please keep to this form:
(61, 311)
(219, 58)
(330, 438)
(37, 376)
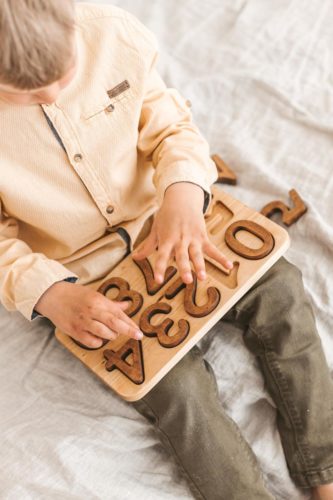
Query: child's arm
(84, 314)
(29, 280)
(184, 171)
(168, 137)
(24, 274)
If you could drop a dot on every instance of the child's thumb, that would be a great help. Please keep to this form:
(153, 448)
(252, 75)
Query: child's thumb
(145, 248)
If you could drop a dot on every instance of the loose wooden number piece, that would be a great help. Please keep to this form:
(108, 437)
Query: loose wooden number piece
(289, 215)
(174, 316)
(226, 175)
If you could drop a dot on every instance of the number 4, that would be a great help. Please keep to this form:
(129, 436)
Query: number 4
(117, 359)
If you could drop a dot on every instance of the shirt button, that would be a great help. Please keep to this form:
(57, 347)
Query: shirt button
(110, 108)
(110, 209)
(78, 157)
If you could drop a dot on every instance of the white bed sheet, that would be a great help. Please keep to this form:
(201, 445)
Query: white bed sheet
(259, 74)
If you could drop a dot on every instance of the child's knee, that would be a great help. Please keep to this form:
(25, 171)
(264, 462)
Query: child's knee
(283, 268)
(284, 280)
(186, 383)
(185, 376)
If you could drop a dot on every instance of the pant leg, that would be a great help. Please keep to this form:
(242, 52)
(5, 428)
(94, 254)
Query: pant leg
(279, 328)
(206, 443)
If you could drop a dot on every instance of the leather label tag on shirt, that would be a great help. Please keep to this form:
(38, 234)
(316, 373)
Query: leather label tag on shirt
(118, 89)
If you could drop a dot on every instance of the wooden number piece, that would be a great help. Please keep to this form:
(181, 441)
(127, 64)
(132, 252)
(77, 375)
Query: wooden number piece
(226, 175)
(151, 285)
(117, 359)
(175, 288)
(161, 330)
(244, 251)
(125, 293)
(105, 341)
(190, 305)
(289, 215)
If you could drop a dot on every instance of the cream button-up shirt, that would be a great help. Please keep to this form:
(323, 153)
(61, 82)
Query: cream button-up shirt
(79, 178)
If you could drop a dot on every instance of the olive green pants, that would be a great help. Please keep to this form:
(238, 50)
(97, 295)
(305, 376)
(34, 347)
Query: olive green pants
(279, 329)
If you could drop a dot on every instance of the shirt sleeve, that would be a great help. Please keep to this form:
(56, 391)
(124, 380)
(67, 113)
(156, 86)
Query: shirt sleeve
(24, 275)
(167, 135)
(36, 314)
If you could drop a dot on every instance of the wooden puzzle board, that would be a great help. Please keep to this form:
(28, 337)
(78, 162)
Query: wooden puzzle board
(226, 232)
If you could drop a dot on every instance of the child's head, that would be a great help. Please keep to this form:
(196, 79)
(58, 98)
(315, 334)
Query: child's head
(37, 49)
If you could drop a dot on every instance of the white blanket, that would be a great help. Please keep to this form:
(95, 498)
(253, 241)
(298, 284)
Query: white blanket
(259, 74)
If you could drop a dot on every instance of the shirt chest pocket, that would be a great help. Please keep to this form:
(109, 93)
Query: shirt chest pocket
(111, 123)
(112, 103)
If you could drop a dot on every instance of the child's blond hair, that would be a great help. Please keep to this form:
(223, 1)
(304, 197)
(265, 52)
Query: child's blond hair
(36, 41)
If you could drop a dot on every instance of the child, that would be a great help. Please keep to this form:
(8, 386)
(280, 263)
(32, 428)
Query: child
(98, 157)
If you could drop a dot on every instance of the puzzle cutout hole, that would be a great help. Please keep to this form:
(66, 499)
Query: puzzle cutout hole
(218, 218)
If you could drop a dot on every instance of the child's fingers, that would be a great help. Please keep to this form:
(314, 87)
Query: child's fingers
(100, 330)
(87, 339)
(161, 262)
(146, 247)
(213, 252)
(183, 263)
(196, 256)
(120, 325)
(123, 305)
(118, 312)
(116, 309)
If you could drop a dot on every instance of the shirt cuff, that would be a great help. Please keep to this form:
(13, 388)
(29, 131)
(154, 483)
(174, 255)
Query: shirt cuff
(27, 281)
(183, 172)
(35, 314)
(207, 196)
(207, 200)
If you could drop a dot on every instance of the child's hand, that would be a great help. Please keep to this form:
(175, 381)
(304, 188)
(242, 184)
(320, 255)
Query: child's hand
(85, 314)
(179, 230)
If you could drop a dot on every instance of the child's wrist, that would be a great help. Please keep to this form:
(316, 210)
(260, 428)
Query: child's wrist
(48, 297)
(185, 191)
